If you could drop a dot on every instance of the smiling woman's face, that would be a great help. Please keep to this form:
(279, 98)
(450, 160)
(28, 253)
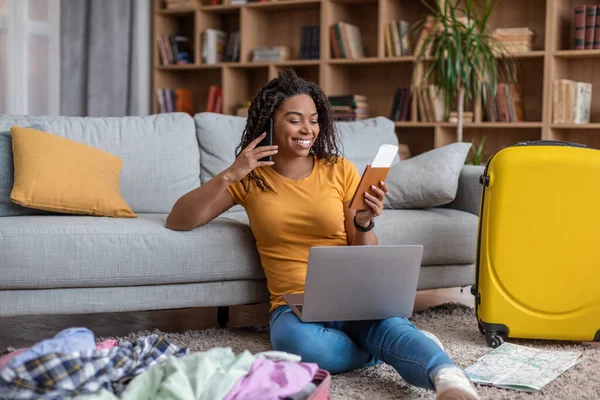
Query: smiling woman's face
(296, 126)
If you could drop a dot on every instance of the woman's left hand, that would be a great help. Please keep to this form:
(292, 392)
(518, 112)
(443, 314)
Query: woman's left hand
(375, 203)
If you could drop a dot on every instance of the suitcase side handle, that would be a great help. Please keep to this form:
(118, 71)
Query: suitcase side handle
(550, 143)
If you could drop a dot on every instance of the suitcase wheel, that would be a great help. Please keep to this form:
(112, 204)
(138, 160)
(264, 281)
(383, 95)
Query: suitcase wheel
(493, 339)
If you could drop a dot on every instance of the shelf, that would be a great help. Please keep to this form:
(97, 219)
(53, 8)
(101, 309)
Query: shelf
(411, 124)
(527, 54)
(284, 5)
(186, 11)
(372, 60)
(287, 63)
(496, 125)
(297, 63)
(577, 53)
(593, 125)
(355, 1)
(187, 67)
(220, 9)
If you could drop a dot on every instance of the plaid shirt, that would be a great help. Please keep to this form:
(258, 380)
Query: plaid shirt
(59, 375)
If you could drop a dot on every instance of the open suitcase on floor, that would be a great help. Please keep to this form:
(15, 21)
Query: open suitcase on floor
(538, 253)
(322, 391)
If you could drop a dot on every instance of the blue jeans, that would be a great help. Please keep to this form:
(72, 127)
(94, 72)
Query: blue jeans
(346, 345)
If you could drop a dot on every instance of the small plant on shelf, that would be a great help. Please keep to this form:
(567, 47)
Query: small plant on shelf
(476, 154)
(459, 53)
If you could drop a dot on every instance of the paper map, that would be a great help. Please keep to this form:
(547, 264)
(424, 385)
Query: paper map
(524, 368)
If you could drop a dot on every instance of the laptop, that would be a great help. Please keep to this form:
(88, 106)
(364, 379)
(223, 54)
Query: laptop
(347, 283)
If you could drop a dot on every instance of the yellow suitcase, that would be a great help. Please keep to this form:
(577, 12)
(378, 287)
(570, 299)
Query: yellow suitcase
(538, 254)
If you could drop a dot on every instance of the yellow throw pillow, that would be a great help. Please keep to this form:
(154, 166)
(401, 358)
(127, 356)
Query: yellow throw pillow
(53, 173)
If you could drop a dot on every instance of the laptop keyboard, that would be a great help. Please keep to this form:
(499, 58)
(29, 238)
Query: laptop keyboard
(298, 306)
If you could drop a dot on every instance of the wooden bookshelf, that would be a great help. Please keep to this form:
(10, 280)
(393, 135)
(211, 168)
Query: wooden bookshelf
(377, 75)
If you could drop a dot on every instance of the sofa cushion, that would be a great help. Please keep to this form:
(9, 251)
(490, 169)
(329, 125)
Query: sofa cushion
(427, 180)
(361, 139)
(8, 207)
(83, 251)
(219, 135)
(53, 173)
(448, 236)
(159, 152)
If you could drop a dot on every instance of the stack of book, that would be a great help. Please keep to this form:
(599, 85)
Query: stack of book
(271, 54)
(174, 49)
(217, 46)
(431, 103)
(346, 41)
(397, 39)
(352, 107)
(586, 26)
(310, 42)
(215, 99)
(181, 4)
(466, 117)
(401, 104)
(571, 102)
(506, 106)
(514, 40)
(175, 100)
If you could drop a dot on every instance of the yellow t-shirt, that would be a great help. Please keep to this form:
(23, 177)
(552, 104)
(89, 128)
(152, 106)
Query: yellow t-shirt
(300, 214)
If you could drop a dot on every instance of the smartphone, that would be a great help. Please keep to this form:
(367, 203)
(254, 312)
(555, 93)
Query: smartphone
(268, 139)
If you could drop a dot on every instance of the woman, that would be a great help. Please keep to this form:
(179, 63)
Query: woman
(299, 200)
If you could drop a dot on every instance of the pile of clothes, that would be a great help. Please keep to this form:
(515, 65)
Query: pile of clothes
(73, 365)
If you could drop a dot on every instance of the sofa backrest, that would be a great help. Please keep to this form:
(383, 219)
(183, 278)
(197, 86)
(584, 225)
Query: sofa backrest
(160, 154)
(219, 135)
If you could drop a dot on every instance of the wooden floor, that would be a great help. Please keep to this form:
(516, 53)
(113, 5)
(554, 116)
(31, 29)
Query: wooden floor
(24, 331)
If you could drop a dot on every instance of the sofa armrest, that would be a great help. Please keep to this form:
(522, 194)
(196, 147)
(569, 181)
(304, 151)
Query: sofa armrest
(468, 194)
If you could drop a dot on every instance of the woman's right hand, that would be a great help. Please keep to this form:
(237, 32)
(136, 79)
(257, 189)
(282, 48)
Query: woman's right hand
(249, 158)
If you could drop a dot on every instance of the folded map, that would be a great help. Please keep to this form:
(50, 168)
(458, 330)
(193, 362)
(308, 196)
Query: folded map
(523, 368)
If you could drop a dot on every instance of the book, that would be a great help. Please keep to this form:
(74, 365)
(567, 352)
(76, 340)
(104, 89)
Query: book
(571, 102)
(590, 25)
(579, 27)
(522, 368)
(346, 41)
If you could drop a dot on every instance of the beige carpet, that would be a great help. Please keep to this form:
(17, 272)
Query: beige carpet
(454, 324)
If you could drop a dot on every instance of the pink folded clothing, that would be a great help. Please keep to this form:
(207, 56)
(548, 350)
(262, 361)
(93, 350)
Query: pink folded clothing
(107, 344)
(273, 380)
(4, 360)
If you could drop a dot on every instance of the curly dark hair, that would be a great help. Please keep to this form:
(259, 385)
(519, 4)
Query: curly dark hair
(269, 98)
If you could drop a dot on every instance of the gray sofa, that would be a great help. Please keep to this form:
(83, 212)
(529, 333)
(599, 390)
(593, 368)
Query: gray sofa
(66, 264)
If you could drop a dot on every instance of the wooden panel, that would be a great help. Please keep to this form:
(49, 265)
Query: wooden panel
(496, 138)
(197, 81)
(519, 14)
(169, 24)
(583, 70)
(589, 137)
(377, 81)
(241, 84)
(364, 16)
(310, 73)
(565, 18)
(530, 76)
(275, 27)
(395, 10)
(418, 139)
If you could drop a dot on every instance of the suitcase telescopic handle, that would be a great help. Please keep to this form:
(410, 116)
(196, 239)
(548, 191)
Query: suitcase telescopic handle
(550, 143)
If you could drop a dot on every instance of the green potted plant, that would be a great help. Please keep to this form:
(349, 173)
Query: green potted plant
(459, 52)
(476, 153)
